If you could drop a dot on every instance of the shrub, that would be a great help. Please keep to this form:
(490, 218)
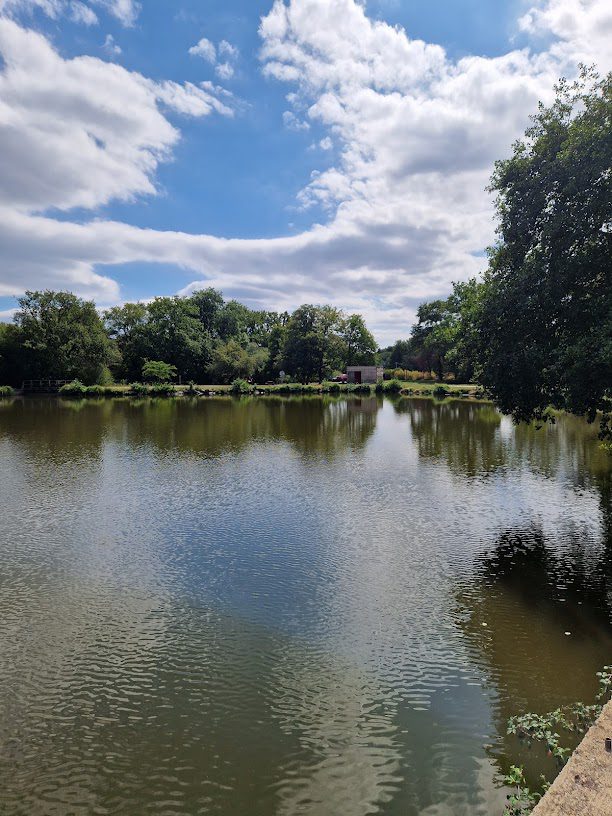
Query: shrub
(98, 391)
(392, 387)
(439, 392)
(240, 387)
(138, 389)
(362, 388)
(73, 389)
(158, 371)
(6, 391)
(161, 390)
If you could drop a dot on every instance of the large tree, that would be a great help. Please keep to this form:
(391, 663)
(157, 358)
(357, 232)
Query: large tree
(359, 344)
(61, 336)
(313, 347)
(545, 322)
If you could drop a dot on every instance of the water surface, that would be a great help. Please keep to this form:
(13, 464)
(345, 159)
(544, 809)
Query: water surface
(289, 606)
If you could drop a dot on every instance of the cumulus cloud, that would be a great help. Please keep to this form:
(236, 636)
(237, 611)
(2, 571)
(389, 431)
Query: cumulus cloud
(82, 132)
(223, 56)
(415, 134)
(205, 49)
(111, 47)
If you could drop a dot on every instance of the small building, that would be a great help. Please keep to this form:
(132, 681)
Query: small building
(364, 374)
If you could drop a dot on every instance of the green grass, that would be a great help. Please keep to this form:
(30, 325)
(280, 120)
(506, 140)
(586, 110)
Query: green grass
(390, 387)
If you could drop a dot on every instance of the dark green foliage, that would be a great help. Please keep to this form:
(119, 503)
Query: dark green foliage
(60, 336)
(545, 323)
(138, 389)
(359, 344)
(161, 390)
(522, 800)
(200, 338)
(73, 389)
(389, 387)
(240, 387)
(439, 392)
(544, 728)
(6, 391)
(445, 337)
(231, 361)
(313, 346)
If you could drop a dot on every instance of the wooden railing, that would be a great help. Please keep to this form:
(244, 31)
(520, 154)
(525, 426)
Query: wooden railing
(43, 386)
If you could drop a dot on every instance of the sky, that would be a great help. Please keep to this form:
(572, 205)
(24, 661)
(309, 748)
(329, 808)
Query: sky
(305, 151)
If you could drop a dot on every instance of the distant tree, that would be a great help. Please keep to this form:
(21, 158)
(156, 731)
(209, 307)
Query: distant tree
(209, 304)
(313, 347)
(61, 336)
(233, 321)
(433, 334)
(276, 345)
(173, 332)
(233, 361)
(401, 355)
(360, 346)
(10, 354)
(545, 322)
(158, 371)
(126, 327)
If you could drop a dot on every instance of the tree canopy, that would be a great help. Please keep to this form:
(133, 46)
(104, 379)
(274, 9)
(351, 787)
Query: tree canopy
(544, 324)
(201, 337)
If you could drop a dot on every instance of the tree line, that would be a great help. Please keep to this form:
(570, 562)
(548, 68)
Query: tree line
(204, 338)
(535, 330)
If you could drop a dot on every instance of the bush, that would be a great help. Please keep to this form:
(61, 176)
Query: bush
(98, 391)
(6, 391)
(73, 389)
(161, 390)
(439, 392)
(138, 390)
(392, 387)
(158, 371)
(240, 387)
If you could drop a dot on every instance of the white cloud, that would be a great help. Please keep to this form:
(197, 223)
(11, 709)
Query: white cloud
(111, 47)
(224, 70)
(226, 49)
(291, 121)
(80, 13)
(82, 132)
(126, 11)
(205, 49)
(415, 132)
(326, 143)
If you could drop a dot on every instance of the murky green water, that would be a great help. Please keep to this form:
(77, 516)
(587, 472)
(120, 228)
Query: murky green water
(278, 606)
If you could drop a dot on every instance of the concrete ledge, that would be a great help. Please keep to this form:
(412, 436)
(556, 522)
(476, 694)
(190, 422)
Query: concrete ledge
(584, 786)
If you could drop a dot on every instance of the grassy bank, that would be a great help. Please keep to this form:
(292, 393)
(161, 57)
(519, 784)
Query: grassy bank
(241, 387)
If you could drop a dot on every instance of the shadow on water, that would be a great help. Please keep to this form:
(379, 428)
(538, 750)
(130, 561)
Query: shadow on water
(539, 615)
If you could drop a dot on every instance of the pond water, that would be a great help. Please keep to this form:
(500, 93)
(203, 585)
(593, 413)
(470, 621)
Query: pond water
(290, 606)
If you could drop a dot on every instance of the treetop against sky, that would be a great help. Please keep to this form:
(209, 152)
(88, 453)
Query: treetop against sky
(324, 151)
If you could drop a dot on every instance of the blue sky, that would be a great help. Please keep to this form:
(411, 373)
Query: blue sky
(350, 156)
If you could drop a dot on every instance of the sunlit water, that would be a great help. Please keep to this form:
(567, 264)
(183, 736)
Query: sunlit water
(298, 606)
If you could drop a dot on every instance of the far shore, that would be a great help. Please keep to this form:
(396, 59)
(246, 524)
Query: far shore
(389, 388)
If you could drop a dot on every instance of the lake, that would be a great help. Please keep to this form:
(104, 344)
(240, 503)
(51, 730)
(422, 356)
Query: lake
(285, 606)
